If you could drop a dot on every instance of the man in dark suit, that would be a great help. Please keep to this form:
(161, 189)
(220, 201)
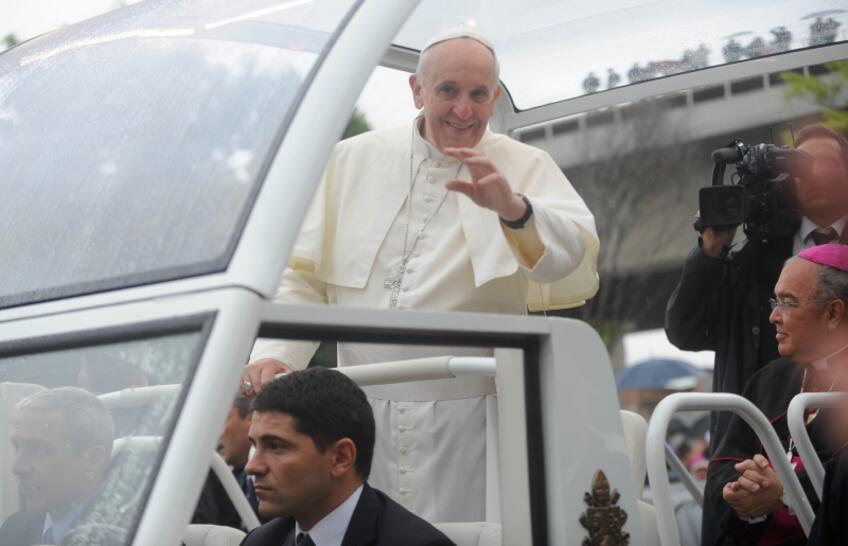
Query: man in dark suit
(62, 440)
(313, 431)
(214, 506)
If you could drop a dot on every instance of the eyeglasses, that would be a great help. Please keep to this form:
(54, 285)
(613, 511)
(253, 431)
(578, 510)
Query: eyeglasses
(782, 305)
(789, 305)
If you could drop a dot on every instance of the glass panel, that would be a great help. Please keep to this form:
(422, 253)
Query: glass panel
(551, 51)
(132, 144)
(386, 100)
(75, 445)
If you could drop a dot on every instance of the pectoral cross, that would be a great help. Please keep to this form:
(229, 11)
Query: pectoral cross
(394, 283)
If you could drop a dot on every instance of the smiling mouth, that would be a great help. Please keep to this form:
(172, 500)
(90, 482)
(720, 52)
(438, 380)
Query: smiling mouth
(460, 126)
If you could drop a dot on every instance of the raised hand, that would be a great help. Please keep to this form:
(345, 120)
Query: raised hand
(488, 187)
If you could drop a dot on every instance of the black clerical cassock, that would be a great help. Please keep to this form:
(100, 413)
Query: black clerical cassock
(770, 389)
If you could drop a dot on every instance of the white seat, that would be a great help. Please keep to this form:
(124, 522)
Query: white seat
(476, 533)
(212, 535)
(635, 437)
(10, 395)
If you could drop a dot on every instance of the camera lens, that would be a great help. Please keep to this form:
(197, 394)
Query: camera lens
(730, 206)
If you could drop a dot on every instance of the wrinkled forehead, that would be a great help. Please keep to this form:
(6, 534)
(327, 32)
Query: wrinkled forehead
(39, 424)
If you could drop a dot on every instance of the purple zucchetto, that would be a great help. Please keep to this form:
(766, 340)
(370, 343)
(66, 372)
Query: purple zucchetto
(833, 255)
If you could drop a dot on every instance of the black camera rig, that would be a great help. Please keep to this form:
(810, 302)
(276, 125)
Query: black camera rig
(761, 196)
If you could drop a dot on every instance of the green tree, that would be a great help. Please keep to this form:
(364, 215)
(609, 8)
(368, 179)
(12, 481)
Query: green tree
(824, 91)
(10, 40)
(357, 124)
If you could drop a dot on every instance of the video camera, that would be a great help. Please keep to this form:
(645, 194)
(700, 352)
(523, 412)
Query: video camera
(761, 196)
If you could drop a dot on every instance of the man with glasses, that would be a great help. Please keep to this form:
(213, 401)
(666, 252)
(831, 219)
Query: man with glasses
(744, 501)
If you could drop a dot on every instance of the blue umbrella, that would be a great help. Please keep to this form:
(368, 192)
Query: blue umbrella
(656, 373)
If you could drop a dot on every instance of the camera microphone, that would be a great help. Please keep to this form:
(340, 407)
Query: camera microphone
(727, 155)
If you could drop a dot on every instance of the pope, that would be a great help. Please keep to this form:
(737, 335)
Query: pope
(442, 215)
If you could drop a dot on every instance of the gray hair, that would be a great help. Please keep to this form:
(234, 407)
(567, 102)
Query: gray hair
(456, 33)
(831, 284)
(87, 421)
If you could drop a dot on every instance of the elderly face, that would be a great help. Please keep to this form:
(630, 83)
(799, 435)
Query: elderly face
(457, 92)
(804, 324)
(825, 190)
(53, 475)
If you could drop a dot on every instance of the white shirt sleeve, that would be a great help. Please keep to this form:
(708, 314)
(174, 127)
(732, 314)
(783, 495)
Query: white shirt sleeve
(561, 239)
(298, 285)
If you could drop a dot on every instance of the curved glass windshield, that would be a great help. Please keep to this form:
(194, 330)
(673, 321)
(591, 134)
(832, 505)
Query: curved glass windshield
(82, 432)
(552, 51)
(132, 144)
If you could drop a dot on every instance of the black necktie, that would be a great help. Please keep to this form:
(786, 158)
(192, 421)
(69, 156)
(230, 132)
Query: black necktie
(303, 540)
(821, 238)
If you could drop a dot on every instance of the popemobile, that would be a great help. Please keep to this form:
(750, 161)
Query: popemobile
(159, 161)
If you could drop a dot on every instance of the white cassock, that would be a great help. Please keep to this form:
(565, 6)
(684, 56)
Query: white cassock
(436, 451)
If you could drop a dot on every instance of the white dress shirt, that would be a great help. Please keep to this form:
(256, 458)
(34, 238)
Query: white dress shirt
(330, 531)
(803, 239)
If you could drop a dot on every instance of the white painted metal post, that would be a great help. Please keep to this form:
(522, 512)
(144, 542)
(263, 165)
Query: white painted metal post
(795, 420)
(658, 475)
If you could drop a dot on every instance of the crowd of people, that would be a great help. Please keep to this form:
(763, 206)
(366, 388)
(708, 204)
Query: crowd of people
(822, 31)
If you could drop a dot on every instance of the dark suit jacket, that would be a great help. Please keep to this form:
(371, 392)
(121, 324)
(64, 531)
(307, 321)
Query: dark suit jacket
(377, 521)
(721, 305)
(22, 529)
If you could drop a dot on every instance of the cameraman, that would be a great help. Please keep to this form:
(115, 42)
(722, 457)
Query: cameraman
(721, 303)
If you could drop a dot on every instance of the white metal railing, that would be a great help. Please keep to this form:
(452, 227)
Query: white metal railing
(138, 396)
(419, 369)
(656, 456)
(234, 491)
(795, 419)
(685, 477)
(216, 463)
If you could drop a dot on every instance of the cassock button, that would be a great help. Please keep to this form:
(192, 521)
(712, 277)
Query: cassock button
(755, 330)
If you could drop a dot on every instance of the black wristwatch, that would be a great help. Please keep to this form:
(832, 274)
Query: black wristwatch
(521, 222)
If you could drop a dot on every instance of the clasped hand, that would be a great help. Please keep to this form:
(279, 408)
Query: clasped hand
(757, 491)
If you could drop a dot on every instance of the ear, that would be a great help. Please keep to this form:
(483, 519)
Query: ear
(416, 91)
(344, 457)
(835, 314)
(497, 92)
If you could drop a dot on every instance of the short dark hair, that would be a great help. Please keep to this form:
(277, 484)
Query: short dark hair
(242, 406)
(820, 131)
(326, 406)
